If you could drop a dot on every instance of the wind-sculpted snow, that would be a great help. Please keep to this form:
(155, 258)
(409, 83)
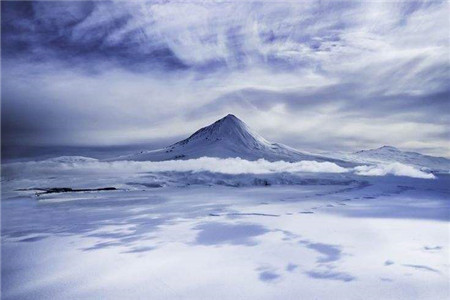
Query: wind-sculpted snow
(365, 240)
(396, 169)
(277, 232)
(204, 165)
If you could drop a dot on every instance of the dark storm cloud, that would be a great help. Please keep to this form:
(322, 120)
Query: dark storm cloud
(133, 35)
(44, 31)
(316, 74)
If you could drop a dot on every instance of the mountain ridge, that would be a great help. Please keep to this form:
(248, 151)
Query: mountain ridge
(386, 154)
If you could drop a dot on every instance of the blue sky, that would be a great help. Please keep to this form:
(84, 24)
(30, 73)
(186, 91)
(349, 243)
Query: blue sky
(313, 75)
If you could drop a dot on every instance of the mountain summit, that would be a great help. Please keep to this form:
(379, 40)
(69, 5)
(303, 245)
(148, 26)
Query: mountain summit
(230, 131)
(227, 137)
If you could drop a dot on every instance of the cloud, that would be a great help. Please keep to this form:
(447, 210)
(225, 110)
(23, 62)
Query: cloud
(205, 164)
(230, 166)
(313, 75)
(396, 169)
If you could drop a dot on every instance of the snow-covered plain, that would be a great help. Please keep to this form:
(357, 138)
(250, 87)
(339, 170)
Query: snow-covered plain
(198, 229)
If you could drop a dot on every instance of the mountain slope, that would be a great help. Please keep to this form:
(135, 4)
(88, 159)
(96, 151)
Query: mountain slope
(387, 154)
(227, 137)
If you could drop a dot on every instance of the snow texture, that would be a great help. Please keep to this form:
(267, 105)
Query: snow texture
(188, 240)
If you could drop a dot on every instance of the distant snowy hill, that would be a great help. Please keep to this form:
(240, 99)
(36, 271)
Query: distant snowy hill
(227, 137)
(389, 154)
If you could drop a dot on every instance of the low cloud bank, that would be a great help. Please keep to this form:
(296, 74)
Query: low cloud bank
(231, 166)
(241, 166)
(396, 169)
(204, 164)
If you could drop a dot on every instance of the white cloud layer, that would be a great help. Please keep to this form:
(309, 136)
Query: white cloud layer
(396, 169)
(203, 164)
(232, 166)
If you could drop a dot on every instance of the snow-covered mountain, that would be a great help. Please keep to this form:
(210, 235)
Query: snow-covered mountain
(389, 154)
(227, 137)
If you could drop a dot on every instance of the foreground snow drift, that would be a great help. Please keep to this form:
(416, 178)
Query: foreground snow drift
(380, 237)
(79, 228)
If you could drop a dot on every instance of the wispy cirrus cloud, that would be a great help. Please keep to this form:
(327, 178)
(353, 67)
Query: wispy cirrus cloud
(314, 75)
